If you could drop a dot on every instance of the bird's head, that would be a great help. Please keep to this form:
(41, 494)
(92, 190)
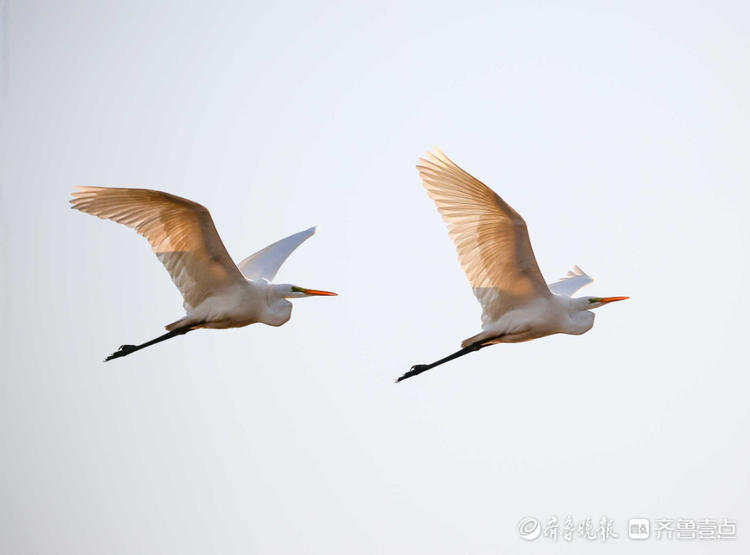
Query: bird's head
(595, 302)
(289, 291)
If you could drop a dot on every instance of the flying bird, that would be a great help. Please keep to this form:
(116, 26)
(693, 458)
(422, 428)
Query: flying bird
(495, 253)
(217, 293)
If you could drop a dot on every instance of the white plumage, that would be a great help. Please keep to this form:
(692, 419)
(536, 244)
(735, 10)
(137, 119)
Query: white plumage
(568, 285)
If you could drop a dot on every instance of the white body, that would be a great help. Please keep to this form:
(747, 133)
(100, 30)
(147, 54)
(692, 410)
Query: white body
(241, 305)
(539, 318)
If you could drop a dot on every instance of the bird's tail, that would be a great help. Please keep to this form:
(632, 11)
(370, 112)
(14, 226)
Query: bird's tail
(478, 338)
(183, 322)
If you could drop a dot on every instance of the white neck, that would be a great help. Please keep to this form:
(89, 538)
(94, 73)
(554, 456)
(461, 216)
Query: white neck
(581, 319)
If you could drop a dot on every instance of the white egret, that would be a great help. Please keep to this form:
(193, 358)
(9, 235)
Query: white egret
(217, 292)
(495, 253)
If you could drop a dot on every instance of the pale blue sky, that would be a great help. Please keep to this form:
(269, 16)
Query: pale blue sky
(620, 133)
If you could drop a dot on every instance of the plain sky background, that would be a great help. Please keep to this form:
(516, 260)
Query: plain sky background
(619, 132)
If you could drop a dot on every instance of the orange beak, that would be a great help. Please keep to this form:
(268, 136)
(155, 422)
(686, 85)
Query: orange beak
(612, 299)
(318, 292)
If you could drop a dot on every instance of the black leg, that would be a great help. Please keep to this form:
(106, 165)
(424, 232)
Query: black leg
(419, 368)
(125, 350)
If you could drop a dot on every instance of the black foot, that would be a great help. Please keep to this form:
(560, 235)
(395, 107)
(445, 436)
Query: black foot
(416, 369)
(121, 352)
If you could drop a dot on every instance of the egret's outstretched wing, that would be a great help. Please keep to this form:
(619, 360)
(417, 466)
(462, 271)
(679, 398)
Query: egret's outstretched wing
(265, 263)
(181, 233)
(491, 238)
(571, 283)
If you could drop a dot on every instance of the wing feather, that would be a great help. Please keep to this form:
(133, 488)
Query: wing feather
(180, 231)
(266, 262)
(491, 238)
(571, 283)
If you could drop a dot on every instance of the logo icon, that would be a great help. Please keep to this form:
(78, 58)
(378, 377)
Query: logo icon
(529, 528)
(639, 528)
